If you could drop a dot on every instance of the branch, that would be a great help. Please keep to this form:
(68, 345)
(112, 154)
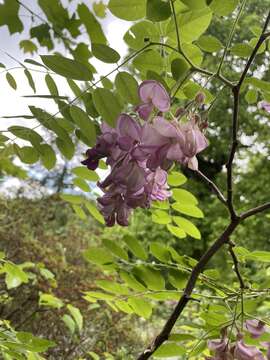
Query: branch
(262, 38)
(236, 94)
(186, 297)
(255, 211)
(213, 187)
(236, 265)
(234, 145)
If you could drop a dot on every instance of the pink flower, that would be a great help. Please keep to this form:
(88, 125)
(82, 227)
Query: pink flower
(264, 105)
(245, 352)
(157, 185)
(152, 94)
(255, 327)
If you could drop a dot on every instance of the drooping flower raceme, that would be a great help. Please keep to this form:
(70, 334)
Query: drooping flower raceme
(140, 153)
(225, 350)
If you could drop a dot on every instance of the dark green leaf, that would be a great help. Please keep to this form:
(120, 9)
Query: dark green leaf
(127, 87)
(68, 68)
(158, 10)
(179, 68)
(85, 124)
(128, 10)
(30, 79)
(107, 105)
(105, 53)
(11, 81)
(93, 27)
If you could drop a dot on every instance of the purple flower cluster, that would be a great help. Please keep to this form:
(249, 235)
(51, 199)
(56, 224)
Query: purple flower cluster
(140, 151)
(239, 350)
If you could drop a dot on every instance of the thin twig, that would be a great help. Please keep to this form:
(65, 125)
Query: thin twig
(176, 27)
(236, 95)
(213, 187)
(231, 36)
(255, 211)
(236, 265)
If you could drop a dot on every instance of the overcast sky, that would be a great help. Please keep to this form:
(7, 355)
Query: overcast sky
(12, 102)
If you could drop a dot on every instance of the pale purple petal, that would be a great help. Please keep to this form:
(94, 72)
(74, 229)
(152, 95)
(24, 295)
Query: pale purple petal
(150, 91)
(264, 105)
(255, 327)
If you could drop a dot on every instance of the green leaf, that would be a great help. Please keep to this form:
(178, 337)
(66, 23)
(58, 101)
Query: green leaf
(85, 173)
(128, 10)
(47, 274)
(94, 212)
(15, 276)
(135, 247)
(113, 287)
(139, 33)
(149, 60)
(251, 96)
(77, 316)
(85, 124)
(115, 249)
(141, 307)
(181, 337)
(105, 53)
(47, 156)
(176, 179)
(210, 43)
(151, 278)
(169, 349)
(192, 24)
(107, 105)
(11, 81)
(98, 256)
(9, 15)
(82, 184)
(176, 231)
(28, 46)
(161, 217)
(131, 282)
(51, 85)
(127, 87)
(66, 147)
(93, 27)
(194, 4)
(100, 9)
(26, 134)
(241, 50)
(160, 252)
(69, 323)
(179, 68)
(262, 256)
(30, 79)
(190, 210)
(123, 306)
(223, 8)
(73, 199)
(158, 10)
(187, 226)
(194, 53)
(178, 278)
(79, 211)
(27, 154)
(68, 68)
(50, 301)
(184, 196)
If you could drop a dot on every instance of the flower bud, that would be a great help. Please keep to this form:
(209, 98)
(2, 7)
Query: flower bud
(180, 112)
(200, 98)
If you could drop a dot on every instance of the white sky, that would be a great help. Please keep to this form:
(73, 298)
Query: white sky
(11, 101)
